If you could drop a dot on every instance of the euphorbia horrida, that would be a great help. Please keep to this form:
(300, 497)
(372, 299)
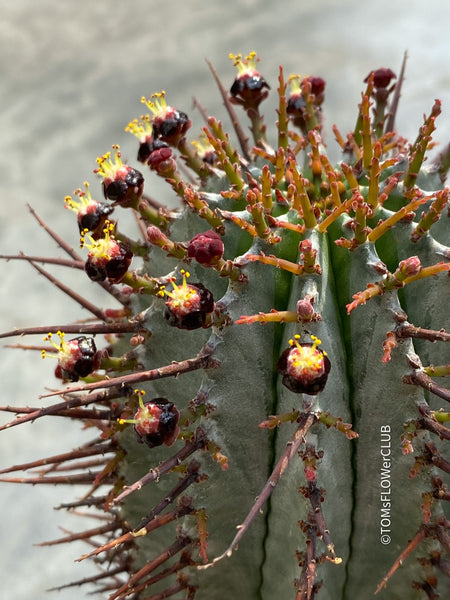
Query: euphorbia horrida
(283, 300)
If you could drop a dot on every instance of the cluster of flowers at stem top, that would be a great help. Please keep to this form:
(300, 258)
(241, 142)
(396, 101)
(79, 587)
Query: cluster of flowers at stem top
(189, 305)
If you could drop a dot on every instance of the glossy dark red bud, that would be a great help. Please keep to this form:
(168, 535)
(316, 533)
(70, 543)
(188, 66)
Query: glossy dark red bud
(206, 248)
(130, 183)
(307, 380)
(195, 316)
(157, 423)
(113, 267)
(80, 359)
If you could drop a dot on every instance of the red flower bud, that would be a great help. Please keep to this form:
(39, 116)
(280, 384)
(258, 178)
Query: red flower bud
(317, 88)
(410, 266)
(382, 77)
(206, 248)
(305, 309)
(161, 160)
(149, 150)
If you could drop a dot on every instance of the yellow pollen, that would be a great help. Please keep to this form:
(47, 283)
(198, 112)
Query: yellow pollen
(143, 411)
(202, 145)
(294, 82)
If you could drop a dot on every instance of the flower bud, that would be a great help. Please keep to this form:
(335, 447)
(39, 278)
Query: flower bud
(410, 266)
(305, 309)
(381, 77)
(206, 248)
(161, 160)
(317, 88)
(152, 151)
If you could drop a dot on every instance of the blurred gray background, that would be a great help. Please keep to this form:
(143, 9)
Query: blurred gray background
(72, 74)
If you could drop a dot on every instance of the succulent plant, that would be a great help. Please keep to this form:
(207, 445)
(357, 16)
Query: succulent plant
(283, 300)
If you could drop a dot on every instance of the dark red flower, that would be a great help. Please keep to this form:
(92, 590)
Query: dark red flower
(296, 104)
(249, 88)
(168, 123)
(155, 422)
(121, 183)
(107, 258)
(76, 358)
(91, 215)
(304, 367)
(189, 306)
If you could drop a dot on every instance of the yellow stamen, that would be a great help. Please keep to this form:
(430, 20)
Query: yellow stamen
(141, 129)
(245, 65)
(107, 166)
(158, 105)
(99, 248)
(83, 202)
(306, 358)
(60, 348)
